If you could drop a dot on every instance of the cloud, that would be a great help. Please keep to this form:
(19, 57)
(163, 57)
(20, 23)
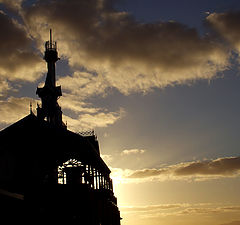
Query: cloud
(147, 173)
(17, 59)
(227, 26)
(132, 151)
(107, 158)
(106, 49)
(150, 208)
(14, 5)
(83, 84)
(197, 171)
(179, 209)
(74, 104)
(4, 87)
(88, 121)
(210, 210)
(14, 109)
(222, 167)
(232, 223)
(124, 53)
(84, 116)
(80, 116)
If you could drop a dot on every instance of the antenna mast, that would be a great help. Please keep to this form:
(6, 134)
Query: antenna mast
(50, 38)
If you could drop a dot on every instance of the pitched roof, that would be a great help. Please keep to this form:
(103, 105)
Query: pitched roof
(38, 138)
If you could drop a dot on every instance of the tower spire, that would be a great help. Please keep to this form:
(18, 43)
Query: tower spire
(50, 92)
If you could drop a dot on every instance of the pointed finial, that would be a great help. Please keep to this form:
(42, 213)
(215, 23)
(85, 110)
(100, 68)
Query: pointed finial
(31, 112)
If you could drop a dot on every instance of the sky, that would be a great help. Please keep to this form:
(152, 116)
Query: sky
(158, 81)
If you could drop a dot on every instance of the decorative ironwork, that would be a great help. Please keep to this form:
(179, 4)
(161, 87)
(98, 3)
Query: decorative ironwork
(87, 133)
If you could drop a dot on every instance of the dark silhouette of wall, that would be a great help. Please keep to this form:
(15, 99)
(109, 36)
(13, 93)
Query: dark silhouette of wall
(52, 175)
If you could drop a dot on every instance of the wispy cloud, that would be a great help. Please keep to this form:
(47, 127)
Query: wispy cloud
(152, 208)
(232, 223)
(4, 87)
(132, 151)
(107, 158)
(179, 209)
(83, 84)
(12, 109)
(88, 121)
(75, 105)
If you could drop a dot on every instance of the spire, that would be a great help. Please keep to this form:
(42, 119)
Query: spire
(49, 94)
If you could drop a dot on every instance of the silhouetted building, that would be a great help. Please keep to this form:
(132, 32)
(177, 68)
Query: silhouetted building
(49, 174)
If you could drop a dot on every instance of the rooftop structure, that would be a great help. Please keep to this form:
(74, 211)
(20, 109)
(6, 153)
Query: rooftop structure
(50, 92)
(49, 174)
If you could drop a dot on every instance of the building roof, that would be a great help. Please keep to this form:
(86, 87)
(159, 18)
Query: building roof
(30, 142)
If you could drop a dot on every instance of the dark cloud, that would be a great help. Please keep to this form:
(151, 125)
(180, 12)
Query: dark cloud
(17, 60)
(222, 167)
(132, 56)
(227, 26)
(13, 5)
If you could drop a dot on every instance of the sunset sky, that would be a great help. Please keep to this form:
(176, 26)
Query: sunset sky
(158, 81)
